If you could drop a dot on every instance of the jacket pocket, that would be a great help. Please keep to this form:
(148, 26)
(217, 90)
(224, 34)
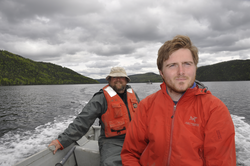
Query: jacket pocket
(117, 110)
(117, 126)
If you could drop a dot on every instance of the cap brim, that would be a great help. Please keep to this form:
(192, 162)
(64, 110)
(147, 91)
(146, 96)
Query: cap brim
(113, 75)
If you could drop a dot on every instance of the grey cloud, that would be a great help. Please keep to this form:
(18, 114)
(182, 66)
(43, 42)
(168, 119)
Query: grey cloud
(95, 35)
(102, 64)
(112, 49)
(16, 10)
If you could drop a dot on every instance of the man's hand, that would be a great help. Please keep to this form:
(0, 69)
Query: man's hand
(56, 144)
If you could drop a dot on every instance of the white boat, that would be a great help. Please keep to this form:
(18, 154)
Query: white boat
(149, 82)
(84, 153)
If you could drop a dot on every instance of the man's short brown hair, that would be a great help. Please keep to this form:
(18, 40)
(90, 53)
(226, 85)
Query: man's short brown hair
(171, 46)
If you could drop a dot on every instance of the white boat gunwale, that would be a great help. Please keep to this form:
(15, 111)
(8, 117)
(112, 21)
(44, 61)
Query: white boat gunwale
(86, 153)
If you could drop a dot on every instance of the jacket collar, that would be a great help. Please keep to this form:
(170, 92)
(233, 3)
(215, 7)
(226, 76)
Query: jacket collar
(194, 90)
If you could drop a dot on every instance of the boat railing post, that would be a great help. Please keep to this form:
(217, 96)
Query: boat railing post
(96, 132)
(65, 158)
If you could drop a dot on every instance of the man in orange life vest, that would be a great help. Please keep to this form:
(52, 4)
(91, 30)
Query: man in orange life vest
(181, 124)
(115, 105)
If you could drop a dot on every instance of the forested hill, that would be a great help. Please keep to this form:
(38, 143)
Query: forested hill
(140, 78)
(16, 70)
(147, 77)
(235, 70)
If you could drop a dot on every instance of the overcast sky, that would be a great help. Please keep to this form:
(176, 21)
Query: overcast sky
(91, 36)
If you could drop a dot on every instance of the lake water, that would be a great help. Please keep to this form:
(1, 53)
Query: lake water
(32, 116)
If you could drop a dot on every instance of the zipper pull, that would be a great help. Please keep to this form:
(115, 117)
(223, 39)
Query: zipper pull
(173, 112)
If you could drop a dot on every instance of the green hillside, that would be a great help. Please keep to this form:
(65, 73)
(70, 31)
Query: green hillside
(16, 70)
(140, 78)
(235, 70)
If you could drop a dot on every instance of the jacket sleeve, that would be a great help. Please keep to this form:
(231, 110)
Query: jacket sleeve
(136, 138)
(219, 143)
(84, 120)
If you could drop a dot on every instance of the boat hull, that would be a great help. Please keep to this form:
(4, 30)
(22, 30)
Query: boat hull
(86, 153)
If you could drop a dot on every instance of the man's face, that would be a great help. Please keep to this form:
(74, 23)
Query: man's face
(179, 71)
(118, 83)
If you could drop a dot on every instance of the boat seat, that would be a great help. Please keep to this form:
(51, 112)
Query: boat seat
(88, 154)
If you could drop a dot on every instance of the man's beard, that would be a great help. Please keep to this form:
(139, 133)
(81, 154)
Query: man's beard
(172, 86)
(118, 88)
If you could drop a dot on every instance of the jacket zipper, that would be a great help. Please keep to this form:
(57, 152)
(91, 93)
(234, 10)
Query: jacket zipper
(171, 136)
(200, 151)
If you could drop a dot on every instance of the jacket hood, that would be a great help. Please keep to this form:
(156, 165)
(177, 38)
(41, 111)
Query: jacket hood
(201, 85)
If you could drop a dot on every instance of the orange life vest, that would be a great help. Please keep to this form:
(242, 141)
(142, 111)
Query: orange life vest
(116, 118)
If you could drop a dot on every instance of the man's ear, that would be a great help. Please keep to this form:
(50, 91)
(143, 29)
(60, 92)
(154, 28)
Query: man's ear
(161, 73)
(109, 79)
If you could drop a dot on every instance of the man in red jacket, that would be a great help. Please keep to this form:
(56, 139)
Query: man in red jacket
(182, 124)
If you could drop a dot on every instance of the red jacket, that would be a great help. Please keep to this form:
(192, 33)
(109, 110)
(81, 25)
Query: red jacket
(117, 117)
(198, 131)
